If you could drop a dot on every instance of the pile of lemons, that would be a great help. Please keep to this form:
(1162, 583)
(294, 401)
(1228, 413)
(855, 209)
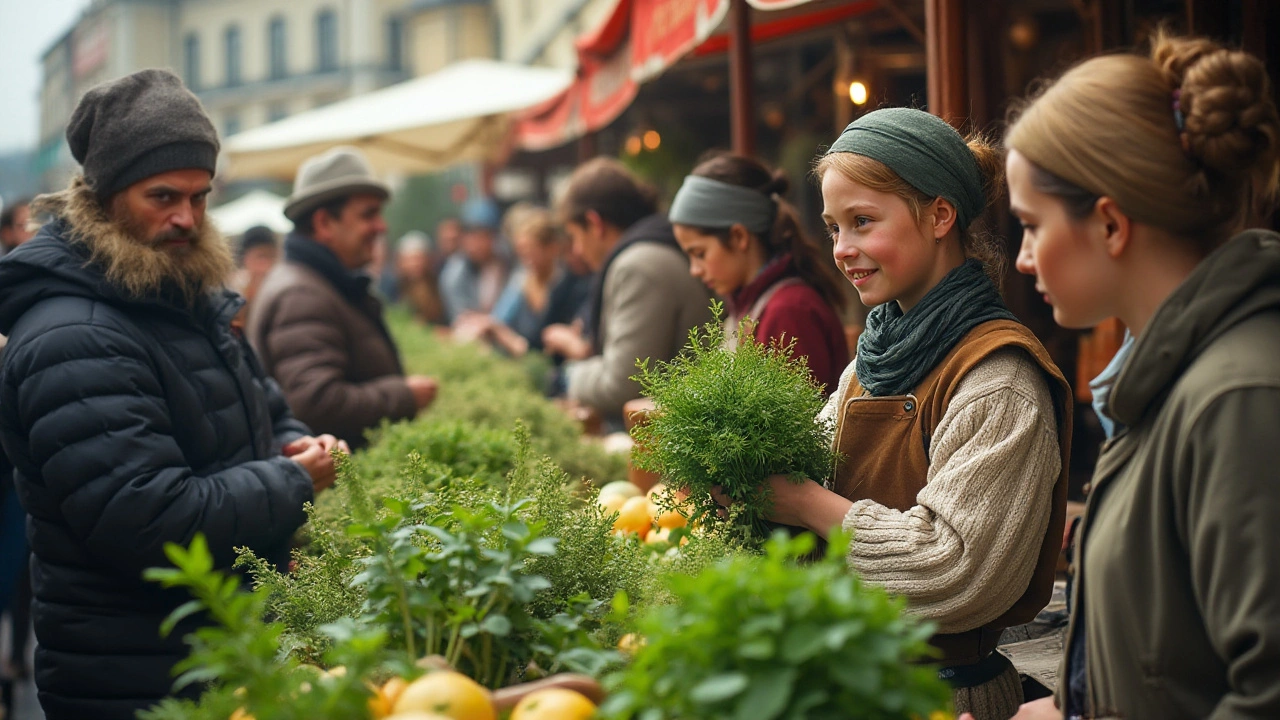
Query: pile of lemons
(639, 513)
(446, 695)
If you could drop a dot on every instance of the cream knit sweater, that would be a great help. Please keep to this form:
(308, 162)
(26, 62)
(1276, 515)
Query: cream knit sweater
(965, 553)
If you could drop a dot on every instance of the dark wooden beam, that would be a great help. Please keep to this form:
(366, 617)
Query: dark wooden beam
(741, 80)
(903, 19)
(1211, 18)
(587, 147)
(1108, 25)
(947, 59)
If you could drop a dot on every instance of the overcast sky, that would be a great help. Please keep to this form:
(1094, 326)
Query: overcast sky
(27, 29)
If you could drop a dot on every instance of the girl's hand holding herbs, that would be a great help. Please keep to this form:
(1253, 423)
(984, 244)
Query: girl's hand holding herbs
(803, 504)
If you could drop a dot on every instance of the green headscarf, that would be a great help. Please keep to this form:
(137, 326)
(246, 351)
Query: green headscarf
(897, 351)
(924, 151)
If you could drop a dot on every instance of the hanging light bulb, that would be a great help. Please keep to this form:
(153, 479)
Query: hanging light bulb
(858, 92)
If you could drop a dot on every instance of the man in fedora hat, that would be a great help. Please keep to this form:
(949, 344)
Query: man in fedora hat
(315, 324)
(132, 411)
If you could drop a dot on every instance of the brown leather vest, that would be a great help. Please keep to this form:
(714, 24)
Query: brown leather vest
(884, 443)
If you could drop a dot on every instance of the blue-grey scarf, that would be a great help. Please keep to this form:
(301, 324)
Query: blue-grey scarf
(897, 351)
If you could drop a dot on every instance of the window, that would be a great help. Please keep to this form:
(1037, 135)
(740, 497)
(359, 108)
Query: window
(277, 111)
(191, 60)
(230, 123)
(277, 49)
(327, 40)
(395, 44)
(232, 42)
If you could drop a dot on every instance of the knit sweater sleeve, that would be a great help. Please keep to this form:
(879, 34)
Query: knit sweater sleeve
(966, 551)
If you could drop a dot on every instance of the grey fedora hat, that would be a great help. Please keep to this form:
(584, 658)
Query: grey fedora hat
(330, 175)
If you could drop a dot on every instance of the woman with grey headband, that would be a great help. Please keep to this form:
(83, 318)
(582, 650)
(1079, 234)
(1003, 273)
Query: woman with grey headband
(952, 423)
(746, 243)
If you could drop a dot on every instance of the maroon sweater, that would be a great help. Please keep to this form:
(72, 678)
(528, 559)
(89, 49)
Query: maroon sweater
(797, 311)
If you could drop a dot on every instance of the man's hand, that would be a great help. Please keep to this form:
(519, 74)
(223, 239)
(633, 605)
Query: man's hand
(312, 453)
(566, 340)
(326, 442)
(1042, 709)
(472, 326)
(424, 389)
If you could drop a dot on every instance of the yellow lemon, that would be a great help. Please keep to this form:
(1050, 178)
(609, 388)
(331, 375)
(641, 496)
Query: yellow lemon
(384, 698)
(612, 502)
(450, 694)
(553, 704)
(630, 643)
(633, 516)
(621, 487)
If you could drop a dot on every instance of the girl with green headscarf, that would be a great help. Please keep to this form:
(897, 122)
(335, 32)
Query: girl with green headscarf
(952, 422)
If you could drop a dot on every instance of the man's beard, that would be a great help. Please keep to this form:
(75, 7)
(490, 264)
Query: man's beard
(118, 245)
(152, 265)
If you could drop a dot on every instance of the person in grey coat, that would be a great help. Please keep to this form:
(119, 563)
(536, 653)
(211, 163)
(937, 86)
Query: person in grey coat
(643, 302)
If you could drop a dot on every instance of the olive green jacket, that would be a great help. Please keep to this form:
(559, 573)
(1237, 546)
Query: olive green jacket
(1178, 591)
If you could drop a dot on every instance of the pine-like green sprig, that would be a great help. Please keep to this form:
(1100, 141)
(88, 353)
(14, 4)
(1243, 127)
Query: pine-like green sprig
(730, 419)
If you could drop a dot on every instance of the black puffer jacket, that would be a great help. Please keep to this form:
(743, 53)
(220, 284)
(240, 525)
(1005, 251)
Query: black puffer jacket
(130, 425)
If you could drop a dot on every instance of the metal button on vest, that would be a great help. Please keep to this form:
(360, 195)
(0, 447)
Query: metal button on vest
(909, 406)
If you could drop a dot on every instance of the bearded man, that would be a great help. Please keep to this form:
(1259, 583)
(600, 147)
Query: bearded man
(133, 413)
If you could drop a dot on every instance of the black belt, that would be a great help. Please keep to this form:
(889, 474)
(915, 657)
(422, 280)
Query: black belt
(979, 673)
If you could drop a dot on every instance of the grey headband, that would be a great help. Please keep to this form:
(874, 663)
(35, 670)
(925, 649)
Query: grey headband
(706, 203)
(924, 151)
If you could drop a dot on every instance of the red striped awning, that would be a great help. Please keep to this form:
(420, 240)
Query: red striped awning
(640, 40)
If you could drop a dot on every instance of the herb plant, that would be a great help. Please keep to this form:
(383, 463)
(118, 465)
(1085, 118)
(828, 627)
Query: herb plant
(759, 638)
(238, 655)
(731, 419)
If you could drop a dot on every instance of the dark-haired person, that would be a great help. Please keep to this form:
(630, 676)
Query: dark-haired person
(14, 225)
(473, 278)
(644, 301)
(1135, 179)
(316, 325)
(746, 244)
(257, 252)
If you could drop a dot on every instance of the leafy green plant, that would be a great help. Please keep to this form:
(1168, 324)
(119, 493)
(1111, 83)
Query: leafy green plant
(759, 638)
(237, 654)
(487, 391)
(461, 593)
(730, 419)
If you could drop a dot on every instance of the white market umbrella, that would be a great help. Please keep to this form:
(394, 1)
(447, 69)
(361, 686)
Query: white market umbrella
(455, 115)
(257, 207)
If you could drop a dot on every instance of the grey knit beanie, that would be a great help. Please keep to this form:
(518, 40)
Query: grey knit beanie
(141, 125)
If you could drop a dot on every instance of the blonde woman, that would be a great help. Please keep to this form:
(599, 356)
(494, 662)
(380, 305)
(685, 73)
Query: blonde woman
(953, 423)
(1134, 178)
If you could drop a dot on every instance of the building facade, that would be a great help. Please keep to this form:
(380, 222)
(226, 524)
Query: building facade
(254, 61)
(542, 32)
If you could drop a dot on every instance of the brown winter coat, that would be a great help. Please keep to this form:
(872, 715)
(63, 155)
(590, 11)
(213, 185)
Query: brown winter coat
(330, 353)
(1178, 591)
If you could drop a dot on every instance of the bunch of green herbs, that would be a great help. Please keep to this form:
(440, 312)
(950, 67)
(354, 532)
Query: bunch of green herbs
(730, 419)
